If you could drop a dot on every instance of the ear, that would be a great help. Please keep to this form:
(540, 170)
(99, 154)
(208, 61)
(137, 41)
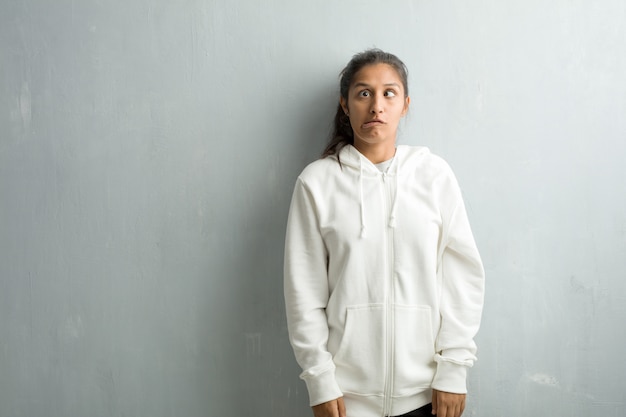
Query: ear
(344, 104)
(407, 101)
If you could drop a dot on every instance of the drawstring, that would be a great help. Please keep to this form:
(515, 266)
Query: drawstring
(394, 205)
(362, 235)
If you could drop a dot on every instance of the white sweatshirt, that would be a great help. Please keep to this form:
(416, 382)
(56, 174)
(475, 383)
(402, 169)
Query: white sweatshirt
(383, 282)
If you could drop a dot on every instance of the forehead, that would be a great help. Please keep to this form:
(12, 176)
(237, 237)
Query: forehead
(377, 74)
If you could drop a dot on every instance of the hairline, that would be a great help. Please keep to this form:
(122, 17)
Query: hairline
(362, 84)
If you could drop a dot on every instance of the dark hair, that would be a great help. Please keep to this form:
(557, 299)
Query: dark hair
(342, 133)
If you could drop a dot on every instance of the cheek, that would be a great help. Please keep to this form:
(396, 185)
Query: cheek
(357, 107)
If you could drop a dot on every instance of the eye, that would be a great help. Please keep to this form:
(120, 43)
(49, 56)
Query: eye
(390, 93)
(364, 93)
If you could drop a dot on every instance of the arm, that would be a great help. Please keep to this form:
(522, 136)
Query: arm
(462, 281)
(306, 297)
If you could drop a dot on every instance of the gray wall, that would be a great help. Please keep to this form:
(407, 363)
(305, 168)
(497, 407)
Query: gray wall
(147, 155)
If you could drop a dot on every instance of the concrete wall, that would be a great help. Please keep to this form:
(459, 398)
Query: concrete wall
(148, 151)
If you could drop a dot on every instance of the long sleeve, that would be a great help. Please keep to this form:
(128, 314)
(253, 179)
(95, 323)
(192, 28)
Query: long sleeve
(462, 282)
(306, 296)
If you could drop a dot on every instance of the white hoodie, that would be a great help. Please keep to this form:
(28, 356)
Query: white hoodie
(383, 282)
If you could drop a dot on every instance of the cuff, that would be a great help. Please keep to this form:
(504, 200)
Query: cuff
(322, 387)
(450, 377)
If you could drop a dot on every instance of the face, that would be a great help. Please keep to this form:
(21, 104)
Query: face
(375, 105)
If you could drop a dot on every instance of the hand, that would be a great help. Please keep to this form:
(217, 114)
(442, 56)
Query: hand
(447, 404)
(333, 408)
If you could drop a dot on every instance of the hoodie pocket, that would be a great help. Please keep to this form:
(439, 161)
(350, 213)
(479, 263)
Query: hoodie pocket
(360, 356)
(414, 350)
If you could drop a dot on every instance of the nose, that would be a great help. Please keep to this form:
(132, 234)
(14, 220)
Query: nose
(377, 104)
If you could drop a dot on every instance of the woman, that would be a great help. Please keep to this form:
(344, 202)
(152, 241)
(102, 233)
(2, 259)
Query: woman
(383, 281)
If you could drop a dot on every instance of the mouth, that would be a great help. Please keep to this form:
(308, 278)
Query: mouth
(373, 123)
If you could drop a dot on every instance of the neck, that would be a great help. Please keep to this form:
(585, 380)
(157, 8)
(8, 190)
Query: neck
(376, 153)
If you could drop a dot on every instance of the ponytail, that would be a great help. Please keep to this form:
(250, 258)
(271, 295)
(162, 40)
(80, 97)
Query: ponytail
(342, 134)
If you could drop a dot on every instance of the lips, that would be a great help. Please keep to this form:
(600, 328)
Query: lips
(373, 123)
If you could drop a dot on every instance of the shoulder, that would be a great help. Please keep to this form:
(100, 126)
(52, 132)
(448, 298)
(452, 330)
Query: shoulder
(431, 172)
(421, 161)
(319, 169)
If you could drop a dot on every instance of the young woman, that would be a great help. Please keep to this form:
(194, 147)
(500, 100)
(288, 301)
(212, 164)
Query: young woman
(383, 281)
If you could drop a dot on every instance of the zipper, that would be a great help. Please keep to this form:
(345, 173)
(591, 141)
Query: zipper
(389, 302)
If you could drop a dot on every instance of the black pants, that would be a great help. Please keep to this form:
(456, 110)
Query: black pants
(420, 412)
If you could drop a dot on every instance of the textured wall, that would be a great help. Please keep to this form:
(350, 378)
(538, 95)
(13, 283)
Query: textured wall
(147, 154)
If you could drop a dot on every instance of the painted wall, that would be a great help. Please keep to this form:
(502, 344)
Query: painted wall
(147, 154)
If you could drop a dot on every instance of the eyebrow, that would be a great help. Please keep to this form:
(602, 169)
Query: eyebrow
(361, 84)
